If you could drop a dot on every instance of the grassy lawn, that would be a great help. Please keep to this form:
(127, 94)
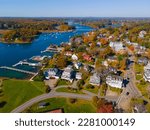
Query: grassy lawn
(80, 106)
(16, 92)
(68, 90)
(138, 68)
(142, 86)
(139, 77)
(93, 89)
(117, 90)
(63, 82)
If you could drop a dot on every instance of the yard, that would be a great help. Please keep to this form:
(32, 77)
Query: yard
(80, 106)
(63, 82)
(16, 92)
(68, 90)
(91, 88)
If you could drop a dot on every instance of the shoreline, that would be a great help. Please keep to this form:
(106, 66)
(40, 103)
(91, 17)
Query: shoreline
(41, 32)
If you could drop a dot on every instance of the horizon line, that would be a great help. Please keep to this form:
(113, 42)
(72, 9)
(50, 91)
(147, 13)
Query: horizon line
(74, 17)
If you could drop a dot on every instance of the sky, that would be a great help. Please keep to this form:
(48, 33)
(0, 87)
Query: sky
(74, 8)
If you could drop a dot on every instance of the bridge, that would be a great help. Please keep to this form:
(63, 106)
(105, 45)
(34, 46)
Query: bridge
(18, 70)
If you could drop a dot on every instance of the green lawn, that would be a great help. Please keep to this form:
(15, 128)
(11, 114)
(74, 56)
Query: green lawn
(139, 68)
(117, 90)
(143, 88)
(68, 90)
(81, 106)
(93, 90)
(63, 82)
(139, 77)
(16, 92)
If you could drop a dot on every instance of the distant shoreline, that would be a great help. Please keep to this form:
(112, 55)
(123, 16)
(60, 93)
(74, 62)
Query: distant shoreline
(41, 31)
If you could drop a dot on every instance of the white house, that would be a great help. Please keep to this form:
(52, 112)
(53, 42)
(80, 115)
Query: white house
(51, 73)
(117, 46)
(147, 72)
(67, 74)
(74, 57)
(95, 79)
(98, 44)
(142, 34)
(78, 76)
(114, 81)
(77, 65)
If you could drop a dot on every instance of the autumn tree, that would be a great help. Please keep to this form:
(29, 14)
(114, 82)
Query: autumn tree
(61, 61)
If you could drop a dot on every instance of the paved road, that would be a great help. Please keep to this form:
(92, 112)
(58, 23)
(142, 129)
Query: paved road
(131, 86)
(50, 95)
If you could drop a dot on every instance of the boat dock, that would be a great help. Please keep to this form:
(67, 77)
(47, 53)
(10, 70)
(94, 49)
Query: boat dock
(26, 63)
(18, 70)
(50, 49)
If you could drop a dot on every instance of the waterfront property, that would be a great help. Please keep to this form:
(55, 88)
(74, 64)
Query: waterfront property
(52, 73)
(38, 58)
(114, 81)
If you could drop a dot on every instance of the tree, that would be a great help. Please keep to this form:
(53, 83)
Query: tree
(95, 100)
(48, 89)
(107, 108)
(61, 61)
(104, 41)
(80, 84)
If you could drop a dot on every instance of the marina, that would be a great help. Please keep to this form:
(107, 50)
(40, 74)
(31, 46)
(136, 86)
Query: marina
(23, 60)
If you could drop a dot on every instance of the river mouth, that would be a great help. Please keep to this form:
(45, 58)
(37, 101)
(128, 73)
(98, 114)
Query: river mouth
(11, 54)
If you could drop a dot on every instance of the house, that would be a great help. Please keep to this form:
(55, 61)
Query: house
(68, 53)
(139, 108)
(114, 81)
(95, 79)
(112, 69)
(117, 46)
(38, 58)
(98, 44)
(142, 34)
(88, 68)
(68, 74)
(105, 63)
(52, 73)
(107, 71)
(87, 57)
(78, 65)
(143, 61)
(78, 76)
(146, 75)
(74, 57)
(112, 59)
(78, 40)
